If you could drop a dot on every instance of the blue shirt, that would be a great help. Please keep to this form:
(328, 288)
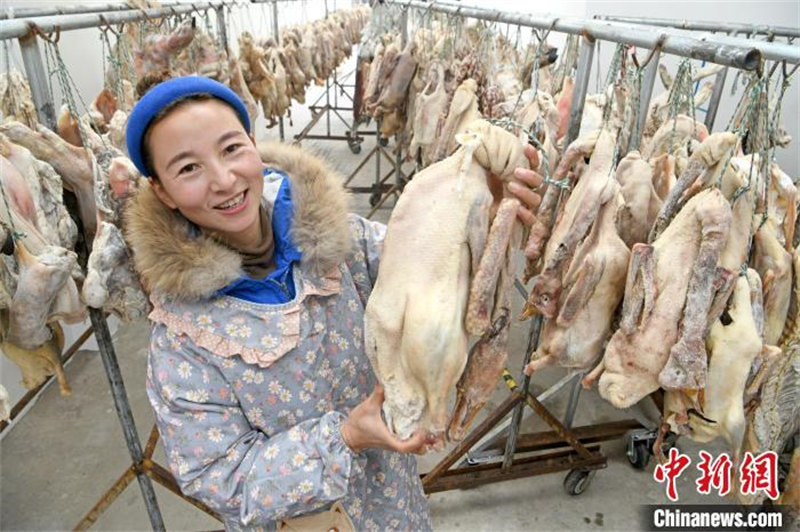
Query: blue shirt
(278, 286)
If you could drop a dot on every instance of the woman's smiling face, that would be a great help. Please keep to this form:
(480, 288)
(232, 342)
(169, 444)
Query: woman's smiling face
(208, 169)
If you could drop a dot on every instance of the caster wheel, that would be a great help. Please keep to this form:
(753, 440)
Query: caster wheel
(374, 198)
(576, 481)
(638, 454)
(354, 147)
(383, 142)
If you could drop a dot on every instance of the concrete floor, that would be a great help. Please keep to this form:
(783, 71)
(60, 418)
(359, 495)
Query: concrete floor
(57, 461)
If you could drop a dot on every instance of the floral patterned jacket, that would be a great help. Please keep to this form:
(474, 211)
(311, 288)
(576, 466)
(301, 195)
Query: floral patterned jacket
(249, 396)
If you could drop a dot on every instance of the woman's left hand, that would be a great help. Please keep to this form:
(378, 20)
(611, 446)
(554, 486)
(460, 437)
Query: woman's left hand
(522, 184)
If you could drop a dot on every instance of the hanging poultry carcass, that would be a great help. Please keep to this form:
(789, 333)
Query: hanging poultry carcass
(44, 184)
(592, 289)
(36, 365)
(380, 74)
(675, 136)
(642, 202)
(672, 285)
(661, 107)
(774, 265)
(297, 78)
(258, 77)
(239, 86)
(111, 284)
(102, 109)
(417, 339)
(773, 416)
(16, 101)
(202, 57)
(17, 212)
(782, 204)
(733, 343)
(585, 263)
(116, 130)
(539, 115)
(574, 155)
(282, 102)
(73, 164)
(390, 105)
(429, 114)
(158, 51)
(490, 314)
(463, 111)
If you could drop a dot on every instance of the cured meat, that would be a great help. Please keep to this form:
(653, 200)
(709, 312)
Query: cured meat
(159, 51)
(642, 202)
(41, 362)
(488, 315)
(72, 164)
(111, 284)
(733, 343)
(415, 331)
(16, 101)
(593, 286)
(670, 287)
(430, 108)
(462, 112)
(595, 187)
(41, 278)
(774, 265)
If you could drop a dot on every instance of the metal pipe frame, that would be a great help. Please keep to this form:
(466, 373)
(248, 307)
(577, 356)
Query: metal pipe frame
(775, 51)
(700, 25)
(29, 12)
(739, 54)
(15, 28)
(716, 98)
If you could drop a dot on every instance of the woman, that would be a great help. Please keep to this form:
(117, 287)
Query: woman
(259, 278)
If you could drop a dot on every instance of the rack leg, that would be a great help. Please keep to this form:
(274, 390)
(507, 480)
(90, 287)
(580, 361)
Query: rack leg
(123, 408)
(477, 455)
(511, 443)
(572, 405)
(716, 97)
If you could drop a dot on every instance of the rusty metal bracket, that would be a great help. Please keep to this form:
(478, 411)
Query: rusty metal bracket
(154, 471)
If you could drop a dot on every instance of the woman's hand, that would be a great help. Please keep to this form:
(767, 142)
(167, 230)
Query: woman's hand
(521, 186)
(365, 429)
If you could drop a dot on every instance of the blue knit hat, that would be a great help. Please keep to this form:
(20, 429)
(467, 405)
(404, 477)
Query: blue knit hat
(164, 94)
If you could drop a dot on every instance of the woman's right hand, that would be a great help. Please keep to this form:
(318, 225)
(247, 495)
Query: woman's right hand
(365, 429)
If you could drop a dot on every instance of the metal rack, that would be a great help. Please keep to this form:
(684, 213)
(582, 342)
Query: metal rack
(777, 53)
(584, 455)
(142, 467)
(564, 448)
(724, 27)
(26, 29)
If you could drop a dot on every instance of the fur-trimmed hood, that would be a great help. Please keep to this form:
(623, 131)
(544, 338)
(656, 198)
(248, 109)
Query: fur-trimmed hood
(172, 259)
